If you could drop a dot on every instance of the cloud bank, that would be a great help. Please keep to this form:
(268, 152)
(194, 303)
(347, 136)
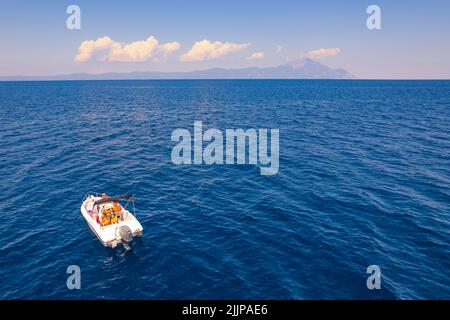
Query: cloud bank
(137, 51)
(256, 56)
(207, 50)
(322, 53)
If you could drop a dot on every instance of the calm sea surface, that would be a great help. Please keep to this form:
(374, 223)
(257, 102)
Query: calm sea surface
(364, 179)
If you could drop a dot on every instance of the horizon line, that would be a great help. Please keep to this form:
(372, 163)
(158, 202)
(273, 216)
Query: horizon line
(223, 79)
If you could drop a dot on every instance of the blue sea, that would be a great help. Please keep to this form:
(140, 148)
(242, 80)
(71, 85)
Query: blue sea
(364, 179)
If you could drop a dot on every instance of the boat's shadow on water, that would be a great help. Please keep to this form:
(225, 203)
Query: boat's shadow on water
(120, 254)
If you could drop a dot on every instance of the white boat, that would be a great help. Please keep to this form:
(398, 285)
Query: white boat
(111, 222)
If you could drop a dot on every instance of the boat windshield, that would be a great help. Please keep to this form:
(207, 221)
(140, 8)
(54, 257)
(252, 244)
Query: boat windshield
(113, 199)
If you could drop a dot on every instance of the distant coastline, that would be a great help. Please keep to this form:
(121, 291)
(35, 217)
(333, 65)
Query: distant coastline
(301, 69)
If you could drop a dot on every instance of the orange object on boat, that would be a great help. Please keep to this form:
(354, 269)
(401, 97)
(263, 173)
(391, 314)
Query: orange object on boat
(105, 221)
(116, 207)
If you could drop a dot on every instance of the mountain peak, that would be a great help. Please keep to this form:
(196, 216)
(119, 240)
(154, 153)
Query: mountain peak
(301, 62)
(308, 68)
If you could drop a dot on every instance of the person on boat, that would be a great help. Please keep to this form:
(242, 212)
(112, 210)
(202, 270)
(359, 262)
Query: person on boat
(106, 221)
(95, 217)
(97, 214)
(106, 215)
(104, 196)
(114, 219)
(117, 208)
(116, 212)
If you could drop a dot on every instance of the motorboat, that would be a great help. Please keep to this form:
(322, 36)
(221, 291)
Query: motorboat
(110, 220)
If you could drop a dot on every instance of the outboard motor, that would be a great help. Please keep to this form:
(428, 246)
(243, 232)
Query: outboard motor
(126, 236)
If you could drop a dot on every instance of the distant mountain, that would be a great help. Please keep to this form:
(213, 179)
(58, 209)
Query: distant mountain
(301, 69)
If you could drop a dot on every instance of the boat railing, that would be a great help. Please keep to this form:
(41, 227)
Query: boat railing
(96, 194)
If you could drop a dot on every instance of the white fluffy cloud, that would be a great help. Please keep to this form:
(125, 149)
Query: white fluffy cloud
(135, 51)
(255, 56)
(118, 51)
(169, 47)
(322, 53)
(207, 50)
(88, 47)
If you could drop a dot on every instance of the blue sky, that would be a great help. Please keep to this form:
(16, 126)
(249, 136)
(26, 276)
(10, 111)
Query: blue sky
(412, 43)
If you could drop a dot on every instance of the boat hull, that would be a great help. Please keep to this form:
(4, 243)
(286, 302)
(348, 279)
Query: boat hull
(109, 235)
